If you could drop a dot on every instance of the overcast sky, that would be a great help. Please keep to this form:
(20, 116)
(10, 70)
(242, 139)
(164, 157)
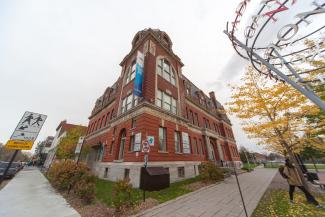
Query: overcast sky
(57, 57)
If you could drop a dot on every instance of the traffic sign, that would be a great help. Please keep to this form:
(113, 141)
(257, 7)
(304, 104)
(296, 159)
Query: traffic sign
(145, 147)
(79, 145)
(19, 144)
(28, 127)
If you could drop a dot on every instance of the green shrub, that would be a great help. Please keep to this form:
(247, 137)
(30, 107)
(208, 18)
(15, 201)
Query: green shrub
(67, 175)
(61, 174)
(210, 172)
(122, 194)
(85, 188)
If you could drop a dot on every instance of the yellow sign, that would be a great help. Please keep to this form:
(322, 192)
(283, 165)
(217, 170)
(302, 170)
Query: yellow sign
(19, 144)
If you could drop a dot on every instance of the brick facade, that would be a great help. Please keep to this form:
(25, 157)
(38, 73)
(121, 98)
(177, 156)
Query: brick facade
(111, 128)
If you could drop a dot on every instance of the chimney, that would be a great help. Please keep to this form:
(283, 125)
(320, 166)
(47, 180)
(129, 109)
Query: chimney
(213, 98)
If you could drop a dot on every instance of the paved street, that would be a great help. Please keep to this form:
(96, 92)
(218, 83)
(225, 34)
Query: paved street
(29, 194)
(221, 200)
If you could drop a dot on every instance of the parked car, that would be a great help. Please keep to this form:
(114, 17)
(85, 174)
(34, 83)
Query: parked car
(14, 168)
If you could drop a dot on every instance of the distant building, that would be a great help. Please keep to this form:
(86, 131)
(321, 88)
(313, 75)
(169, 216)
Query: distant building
(186, 125)
(61, 132)
(259, 157)
(44, 147)
(47, 144)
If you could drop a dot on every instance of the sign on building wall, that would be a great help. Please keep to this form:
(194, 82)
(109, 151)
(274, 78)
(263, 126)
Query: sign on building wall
(137, 142)
(137, 90)
(151, 140)
(186, 143)
(26, 131)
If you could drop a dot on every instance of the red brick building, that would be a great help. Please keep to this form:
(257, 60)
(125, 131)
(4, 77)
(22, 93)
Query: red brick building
(186, 124)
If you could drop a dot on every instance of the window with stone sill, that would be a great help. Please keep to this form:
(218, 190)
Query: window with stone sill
(181, 172)
(201, 147)
(132, 140)
(128, 102)
(162, 139)
(177, 136)
(195, 149)
(166, 102)
(165, 70)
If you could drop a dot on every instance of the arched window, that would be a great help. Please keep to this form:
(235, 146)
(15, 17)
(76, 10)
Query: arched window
(166, 71)
(130, 74)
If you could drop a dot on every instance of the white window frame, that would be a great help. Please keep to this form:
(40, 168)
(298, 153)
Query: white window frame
(162, 139)
(166, 70)
(130, 75)
(177, 137)
(129, 102)
(168, 105)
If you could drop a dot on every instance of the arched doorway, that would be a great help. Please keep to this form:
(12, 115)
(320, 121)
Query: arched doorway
(122, 139)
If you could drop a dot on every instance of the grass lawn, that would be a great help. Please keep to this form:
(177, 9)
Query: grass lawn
(309, 166)
(273, 165)
(275, 203)
(251, 165)
(104, 190)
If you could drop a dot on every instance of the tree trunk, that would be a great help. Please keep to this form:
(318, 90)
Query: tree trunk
(293, 159)
(312, 158)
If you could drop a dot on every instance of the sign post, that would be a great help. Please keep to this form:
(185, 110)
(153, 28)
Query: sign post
(79, 147)
(145, 150)
(24, 135)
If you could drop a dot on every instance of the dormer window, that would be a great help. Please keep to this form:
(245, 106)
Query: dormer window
(166, 71)
(130, 75)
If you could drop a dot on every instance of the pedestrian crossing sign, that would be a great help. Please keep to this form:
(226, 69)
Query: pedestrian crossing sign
(28, 127)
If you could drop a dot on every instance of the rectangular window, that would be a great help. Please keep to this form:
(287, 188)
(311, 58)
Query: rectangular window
(111, 148)
(133, 123)
(177, 136)
(195, 149)
(174, 107)
(192, 117)
(106, 173)
(200, 147)
(132, 139)
(186, 143)
(159, 98)
(173, 81)
(197, 119)
(181, 172)
(112, 114)
(160, 67)
(128, 104)
(107, 118)
(134, 66)
(126, 174)
(167, 102)
(162, 139)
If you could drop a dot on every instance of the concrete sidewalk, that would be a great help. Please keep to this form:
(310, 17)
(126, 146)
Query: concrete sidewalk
(221, 200)
(29, 194)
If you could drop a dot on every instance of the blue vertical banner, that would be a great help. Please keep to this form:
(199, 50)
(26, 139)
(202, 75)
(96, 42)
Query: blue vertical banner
(137, 90)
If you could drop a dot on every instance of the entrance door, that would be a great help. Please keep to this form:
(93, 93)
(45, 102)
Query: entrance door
(122, 145)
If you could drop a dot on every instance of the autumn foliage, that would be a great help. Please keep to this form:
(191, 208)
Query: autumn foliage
(272, 112)
(67, 144)
(67, 175)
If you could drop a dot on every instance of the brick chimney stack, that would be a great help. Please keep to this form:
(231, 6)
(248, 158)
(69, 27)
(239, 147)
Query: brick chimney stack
(213, 98)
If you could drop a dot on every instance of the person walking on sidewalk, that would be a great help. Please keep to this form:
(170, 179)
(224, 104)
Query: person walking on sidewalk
(290, 172)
